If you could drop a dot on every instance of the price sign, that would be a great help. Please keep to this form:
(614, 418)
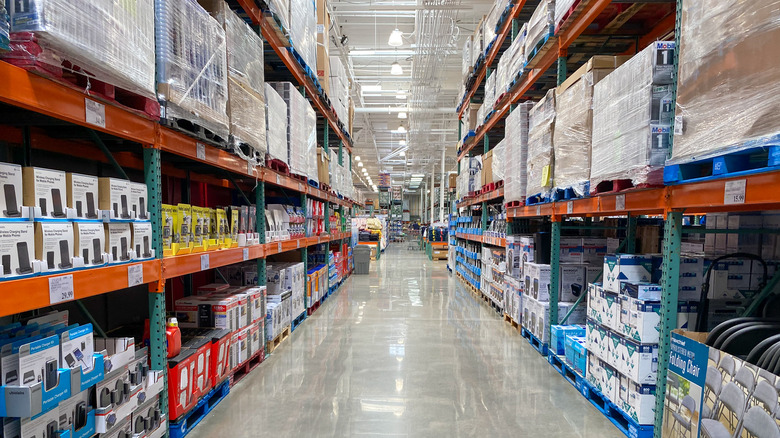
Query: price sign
(135, 275)
(246, 254)
(570, 207)
(61, 289)
(538, 210)
(298, 243)
(278, 246)
(200, 151)
(278, 180)
(204, 262)
(620, 202)
(95, 113)
(734, 192)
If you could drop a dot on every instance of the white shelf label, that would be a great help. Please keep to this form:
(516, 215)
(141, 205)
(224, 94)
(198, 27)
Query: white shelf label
(204, 262)
(678, 125)
(734, 192)
(538, 210)
(135, 275)
(278, 180)
(298, 243)
(278, 246)
(300, 187)
(570, 207)
(620, 202)
(61, 289)
(200, 151)
(246, 254)
(95, 113)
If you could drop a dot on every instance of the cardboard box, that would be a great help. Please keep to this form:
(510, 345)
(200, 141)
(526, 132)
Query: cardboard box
(168, 216)
(572, 282)
(611, 309)
(641, 291)
(323, 45)
(571, 250)
(11, 201)
(142, 240)
(89, 242)
(598, 62)
(83, 195)
(558, 334)
(594, 250)
(115, 197)
(46, 190)
(636, 400)
(487, 168)
(139, 200)
(639, 362)
(639, 319)
(538, 280)
(626, 267)
(54, 245)
(17, 249)
(119, 238)
(323, 164)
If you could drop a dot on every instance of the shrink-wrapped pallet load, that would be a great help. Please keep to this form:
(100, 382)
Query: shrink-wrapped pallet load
(541, 124)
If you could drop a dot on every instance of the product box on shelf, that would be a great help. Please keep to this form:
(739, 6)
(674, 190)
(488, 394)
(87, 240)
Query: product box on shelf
(636, 400)
(537, 281)
(45, 425)
(118, 242)
(626, 267)
(17, 249)
(641, 291)
(639, 362)
(77, 348)
(168, 216)
(515, 182)
(114, 199)
(142, 240)
(182, 225)
(558, 334)
(598, 338)
(576, 349)
(83, 195)
(139, 200)
(46, 191)
(54, 245)
(76, 416)
(639, 319)
(572, 282)
(12, 199)
(571, 250)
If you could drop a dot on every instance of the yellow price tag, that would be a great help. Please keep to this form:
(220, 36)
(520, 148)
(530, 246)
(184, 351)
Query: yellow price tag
(546, 176)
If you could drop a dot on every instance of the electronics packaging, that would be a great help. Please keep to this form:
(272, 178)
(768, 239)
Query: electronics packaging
(541, 120)
(115, 197)
(142, 240)
(115, 45)
(17, 249)
(182, 224)
(517, 147)
(191, 65)
(118, 241)
(11, 203)
(74, 413)
(46, 190)
(77, 348)
(89, 242)
(276, 124)
(45, 425)
(39, 361)
(632, 116)
(83, 195)
(168, 216)
(139, 201)
(574, 122)
(724, 92)
(54, 244)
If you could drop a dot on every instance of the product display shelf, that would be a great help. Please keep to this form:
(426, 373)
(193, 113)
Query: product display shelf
(490, 57)
(35, 292)
(273, 36)
(492, 195)
(472, 237)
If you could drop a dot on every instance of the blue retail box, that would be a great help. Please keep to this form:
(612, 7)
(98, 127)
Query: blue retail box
(558, 334)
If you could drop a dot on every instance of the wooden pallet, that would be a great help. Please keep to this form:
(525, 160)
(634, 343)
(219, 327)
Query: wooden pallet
(281, 337)
(244, 369)
(511, 321)
(314, 307)
(549, 42)
(277, 165)
(185, 423)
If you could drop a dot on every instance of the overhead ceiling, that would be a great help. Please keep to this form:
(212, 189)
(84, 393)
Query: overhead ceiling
(427, 91)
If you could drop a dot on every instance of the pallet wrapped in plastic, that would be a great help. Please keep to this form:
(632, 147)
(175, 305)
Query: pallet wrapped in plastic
(339, 88)
(726, 92)
(540, 26)
(574, 124)
(491, 20)
(311, 144)
(246, 78)
(111, 40)
(631, 119)
(303, 31)
(541, 124)
(191, 65)
(468, 63)
(276, 124)
(516, 135)
(499, 160)
(282, 10)
(490, 95)
(511, 63)
(297, 128)
(478, 41)
(5, 29)
(561, 8)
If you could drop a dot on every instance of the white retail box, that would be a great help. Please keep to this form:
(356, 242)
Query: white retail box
(638, 401)
(594, 250)
(139, 200)
(598, 339)
(610, 315)
(640, 319)
(539, 281)
(691, 278)
(38, 361)
(54, 245)
(750, 243)
(641, 291)
(595, 306)
(11, 203)
(82, 196)
(118, 242)
(639, 362)
(594, 374)
(571, 250)
(17, 249)
(77, 348)
(626, 267)
(44, 425)
(222, 312)
(89, 242)
(46, 190)
(611, 379)
(573, 282)
(187, 310)
(142, 241)
(115, 198)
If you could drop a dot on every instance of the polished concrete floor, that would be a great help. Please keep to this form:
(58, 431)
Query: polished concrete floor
(404, 351)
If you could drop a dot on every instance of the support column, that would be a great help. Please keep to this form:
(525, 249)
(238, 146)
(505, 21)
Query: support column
(670, 282)
(631, 235)
(305, 252)
(433, 190)
(260, 227)
(441, 186)
(562, 73)
(555, 270)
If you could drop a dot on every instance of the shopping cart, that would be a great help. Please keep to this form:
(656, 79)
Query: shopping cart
(413, 240)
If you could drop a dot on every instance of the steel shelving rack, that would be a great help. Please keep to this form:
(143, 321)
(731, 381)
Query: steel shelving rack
(158, 151)
(670, 203)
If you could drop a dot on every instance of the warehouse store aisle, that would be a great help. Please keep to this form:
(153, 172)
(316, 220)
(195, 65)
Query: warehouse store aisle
(404, 351)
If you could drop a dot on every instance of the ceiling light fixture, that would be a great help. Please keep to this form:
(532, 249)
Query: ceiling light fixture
(402, 115)
(400, 96)
(357, 157)
(403, 153)
(402, 142)
(396, 38)
(360, 164)
(401, 130)
(396, 69)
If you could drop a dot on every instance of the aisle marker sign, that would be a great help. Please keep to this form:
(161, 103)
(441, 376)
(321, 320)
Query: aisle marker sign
(61, 289)
(135, 275)
(95, 113)
(620, 202)
(200, 151)
(204, 262)
(734, 192)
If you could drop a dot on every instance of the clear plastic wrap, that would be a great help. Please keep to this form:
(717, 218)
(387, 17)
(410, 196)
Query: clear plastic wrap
(282, 10)
(511, 63)
(561, 8)
(491, 20)
(112, 39)
(276, 124)
(478, 41)
(499, 160)
(303, 31)
(311, 144)
(339, 88)
(572, 136)
(467, 61)
(631, 116)
(490, 95)
(516, 135)
(541, 123)
(540, 25)
(297, 128)
(5, 29)
(191, 65)
(727, 86)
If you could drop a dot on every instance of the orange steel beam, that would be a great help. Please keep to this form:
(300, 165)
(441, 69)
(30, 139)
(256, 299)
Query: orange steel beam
(505, 30)
(27, 294)
(663, 28)
(190, 263)
(23, 89)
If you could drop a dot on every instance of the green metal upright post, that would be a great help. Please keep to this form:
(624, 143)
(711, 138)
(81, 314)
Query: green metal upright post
(562, 73)
(631, 235)
(157, 342)
(260, 227)
(515, 28)
(670, 282)
(677, 30)
(341, 153)
(305, 253)
(555, 270)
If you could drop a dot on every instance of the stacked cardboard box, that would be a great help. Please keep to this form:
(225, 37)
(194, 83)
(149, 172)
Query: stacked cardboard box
(541, 123)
